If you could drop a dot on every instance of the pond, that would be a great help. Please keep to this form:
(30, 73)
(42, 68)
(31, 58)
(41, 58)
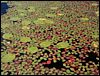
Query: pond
(4, 8)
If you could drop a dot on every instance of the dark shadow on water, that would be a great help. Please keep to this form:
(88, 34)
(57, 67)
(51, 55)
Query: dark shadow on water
(4, 8)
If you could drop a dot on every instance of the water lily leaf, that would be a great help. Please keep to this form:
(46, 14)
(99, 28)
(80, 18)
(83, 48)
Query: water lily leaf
(25, 27)
(50, 15)
(25, 39)
(20, 10)
(26, 22)
(94, 4)
(84, 19)
(45, 43)
(43, 21)
(33, 49)
(68, 71)
(95, 44)
(54, 8)
(7, 36)
(31, 9)
(63, 45)
(59, 14)
(97, 13)
(8, 58)
(4, 25)
(22, 14)
(16, 18)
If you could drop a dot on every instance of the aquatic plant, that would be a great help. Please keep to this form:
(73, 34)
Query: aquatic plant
(45, 43)
(25, 39)
(43, 21)
(63, 45)
(8, 58)
(26, 22)
(16, 18)
(33, 49)
(50, 15)
(7, 36)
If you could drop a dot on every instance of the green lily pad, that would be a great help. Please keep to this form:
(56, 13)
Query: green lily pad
(68, 71)
(45, 43)
(25, 27)
(22, 14)
(54, 8)
(33, 49)
(16, 18)
(31, 9)
(25, 39)
(20, 10)
(26, 22)
(50, 15)
(5, 25)
(97, 13)
(84, 19)
(7, 36)
(63, 45)
(8, 58)
(43, 21)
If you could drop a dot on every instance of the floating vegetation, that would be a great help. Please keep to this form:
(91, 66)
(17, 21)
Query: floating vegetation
(84, 19)
(43, 21)
(26, 22)
(16, 18)
(63, 45)
(53, 8)
(8, 58)
(33, 49)
(25, 39)
(50, 15)
(31, 9)
(50, 38)
(45, 43)
(7, 36)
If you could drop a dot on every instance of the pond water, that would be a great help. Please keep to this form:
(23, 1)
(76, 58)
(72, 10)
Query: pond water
(4, 8)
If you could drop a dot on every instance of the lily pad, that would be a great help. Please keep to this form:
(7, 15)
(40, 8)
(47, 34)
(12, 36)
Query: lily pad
(31, 9)
(84, 19)
(7, 36)
(33, 49)
(45, 43)
(95, 44)
(63, 45)
(97, 13)
(59, 14)
(43, 21)
(16, 18)
(22, 14)
(50, 15)
(8, 58)
(68, 71)
(26, 22)
(25, 27)
(25, 39)
(54, 8)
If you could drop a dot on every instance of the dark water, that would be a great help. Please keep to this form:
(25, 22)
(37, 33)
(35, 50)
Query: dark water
(4, 8)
